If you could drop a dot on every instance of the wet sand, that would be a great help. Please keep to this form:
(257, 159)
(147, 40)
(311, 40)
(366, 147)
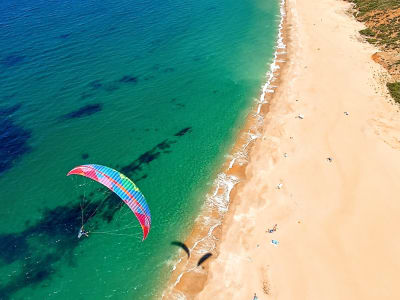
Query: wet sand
(337, 219)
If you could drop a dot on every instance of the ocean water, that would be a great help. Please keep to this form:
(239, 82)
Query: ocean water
(156, 89)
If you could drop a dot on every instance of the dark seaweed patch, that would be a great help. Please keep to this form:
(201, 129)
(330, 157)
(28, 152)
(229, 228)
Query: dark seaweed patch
(85, 156)
(141, 178)
(180, 105)
(13, 138)
(84, 111)
(154, 45)
(38, 247)
(85, 95)
(143, 159)
(43, 76)
(12, 247)
(6, 112)
(128, 79)
(156, 67)
(64, 36)
(35, 273)
(165, 144)
(12, 60)
(183, 131)
(152, 154)
(168, 70)
(54, 237)
(156, 42)
(95, 84)
(148, 129)
(149, 77)
(111, 87)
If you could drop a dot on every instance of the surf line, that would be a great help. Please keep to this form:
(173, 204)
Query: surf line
(203, 238)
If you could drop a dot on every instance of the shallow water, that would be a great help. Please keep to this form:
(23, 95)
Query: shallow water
(156, 89)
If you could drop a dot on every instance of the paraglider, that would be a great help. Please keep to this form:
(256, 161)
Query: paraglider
(123, 187)
(82, 231)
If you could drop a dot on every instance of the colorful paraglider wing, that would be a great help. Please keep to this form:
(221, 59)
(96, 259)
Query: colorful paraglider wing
(123, 187)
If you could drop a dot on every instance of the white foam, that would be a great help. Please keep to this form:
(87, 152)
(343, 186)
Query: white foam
(268, 88)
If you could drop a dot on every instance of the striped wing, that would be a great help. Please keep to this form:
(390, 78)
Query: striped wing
(123, 187)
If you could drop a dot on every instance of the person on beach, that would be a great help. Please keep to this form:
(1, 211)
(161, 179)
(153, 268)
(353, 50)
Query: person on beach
(255, 297)
(273, 228)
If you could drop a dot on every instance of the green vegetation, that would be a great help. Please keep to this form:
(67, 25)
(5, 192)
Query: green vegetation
(372, 41)
(384, 28)
(382, 21)
(394, 89)
(367, 32)
(365, 6)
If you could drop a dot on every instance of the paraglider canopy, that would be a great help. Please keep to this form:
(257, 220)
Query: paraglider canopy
(123, 187)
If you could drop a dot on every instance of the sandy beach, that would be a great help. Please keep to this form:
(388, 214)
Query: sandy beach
(325, 170)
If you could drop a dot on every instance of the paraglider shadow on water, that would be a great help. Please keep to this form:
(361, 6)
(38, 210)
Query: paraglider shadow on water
(204, 258)
(183, 246)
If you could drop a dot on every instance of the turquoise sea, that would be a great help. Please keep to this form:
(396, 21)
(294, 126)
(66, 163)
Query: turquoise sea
(155, 89)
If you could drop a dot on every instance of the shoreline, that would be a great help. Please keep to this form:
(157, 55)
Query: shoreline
(337, 219)
(207, 228)
(324, 168)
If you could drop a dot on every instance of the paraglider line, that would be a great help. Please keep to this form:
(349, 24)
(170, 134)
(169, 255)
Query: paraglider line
(111, 233)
